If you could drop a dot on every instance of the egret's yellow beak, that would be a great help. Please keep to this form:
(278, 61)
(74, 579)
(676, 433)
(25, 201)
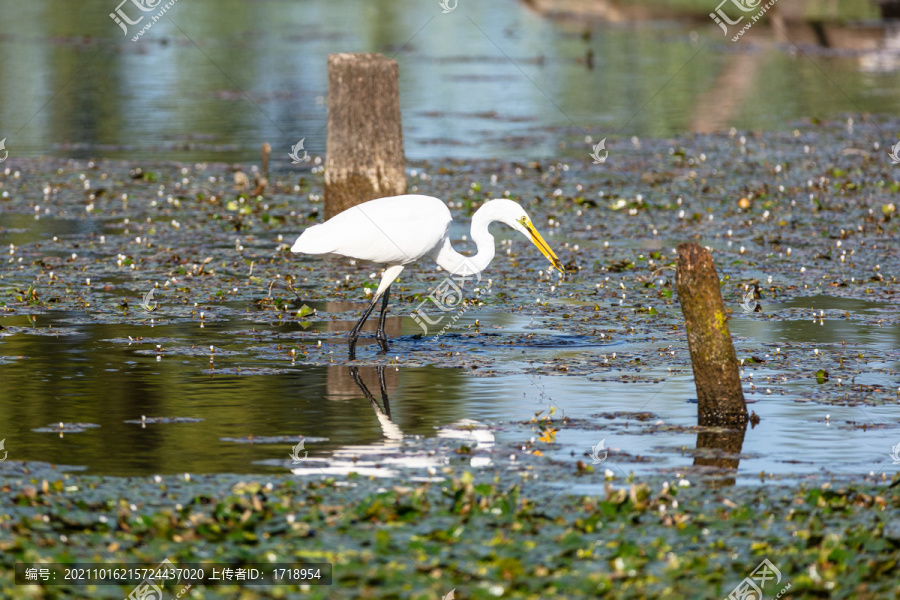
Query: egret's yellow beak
(542, 245)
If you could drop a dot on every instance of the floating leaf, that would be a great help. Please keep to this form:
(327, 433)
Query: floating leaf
(549, 435)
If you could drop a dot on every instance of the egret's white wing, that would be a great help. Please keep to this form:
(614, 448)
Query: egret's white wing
(394, 230)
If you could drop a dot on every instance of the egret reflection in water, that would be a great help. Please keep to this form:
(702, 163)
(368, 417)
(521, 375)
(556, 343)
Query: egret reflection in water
(388, 456)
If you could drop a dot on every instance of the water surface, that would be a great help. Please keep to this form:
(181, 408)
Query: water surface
(246, 408)
(213, 80)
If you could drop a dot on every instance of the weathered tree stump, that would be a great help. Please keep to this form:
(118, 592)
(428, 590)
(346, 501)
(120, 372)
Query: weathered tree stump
(364, 154)
(720, 398)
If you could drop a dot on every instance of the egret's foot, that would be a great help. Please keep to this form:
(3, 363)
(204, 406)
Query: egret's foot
(352, 349)
(383, 342)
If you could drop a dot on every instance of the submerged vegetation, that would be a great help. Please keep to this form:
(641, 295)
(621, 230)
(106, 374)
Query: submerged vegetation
(485, 536)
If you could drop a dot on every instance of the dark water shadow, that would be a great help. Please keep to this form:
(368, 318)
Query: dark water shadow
(721, 449)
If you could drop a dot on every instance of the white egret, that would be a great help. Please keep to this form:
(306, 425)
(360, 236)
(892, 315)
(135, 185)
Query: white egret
(399, 230)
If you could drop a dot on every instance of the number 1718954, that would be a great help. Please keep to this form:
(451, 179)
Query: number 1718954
(297, 575)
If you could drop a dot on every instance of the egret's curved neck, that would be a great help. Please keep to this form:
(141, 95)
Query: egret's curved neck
(458, 264)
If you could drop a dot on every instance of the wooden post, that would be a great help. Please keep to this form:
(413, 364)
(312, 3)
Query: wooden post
(720, 398)
(266, 150)
(364, 154)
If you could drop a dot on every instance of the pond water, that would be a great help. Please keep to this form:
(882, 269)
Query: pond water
(214, 79)
(237, 408)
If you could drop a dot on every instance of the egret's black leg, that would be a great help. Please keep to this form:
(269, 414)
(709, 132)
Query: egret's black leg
(390, 274)
(380, 335)
(354, 333)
